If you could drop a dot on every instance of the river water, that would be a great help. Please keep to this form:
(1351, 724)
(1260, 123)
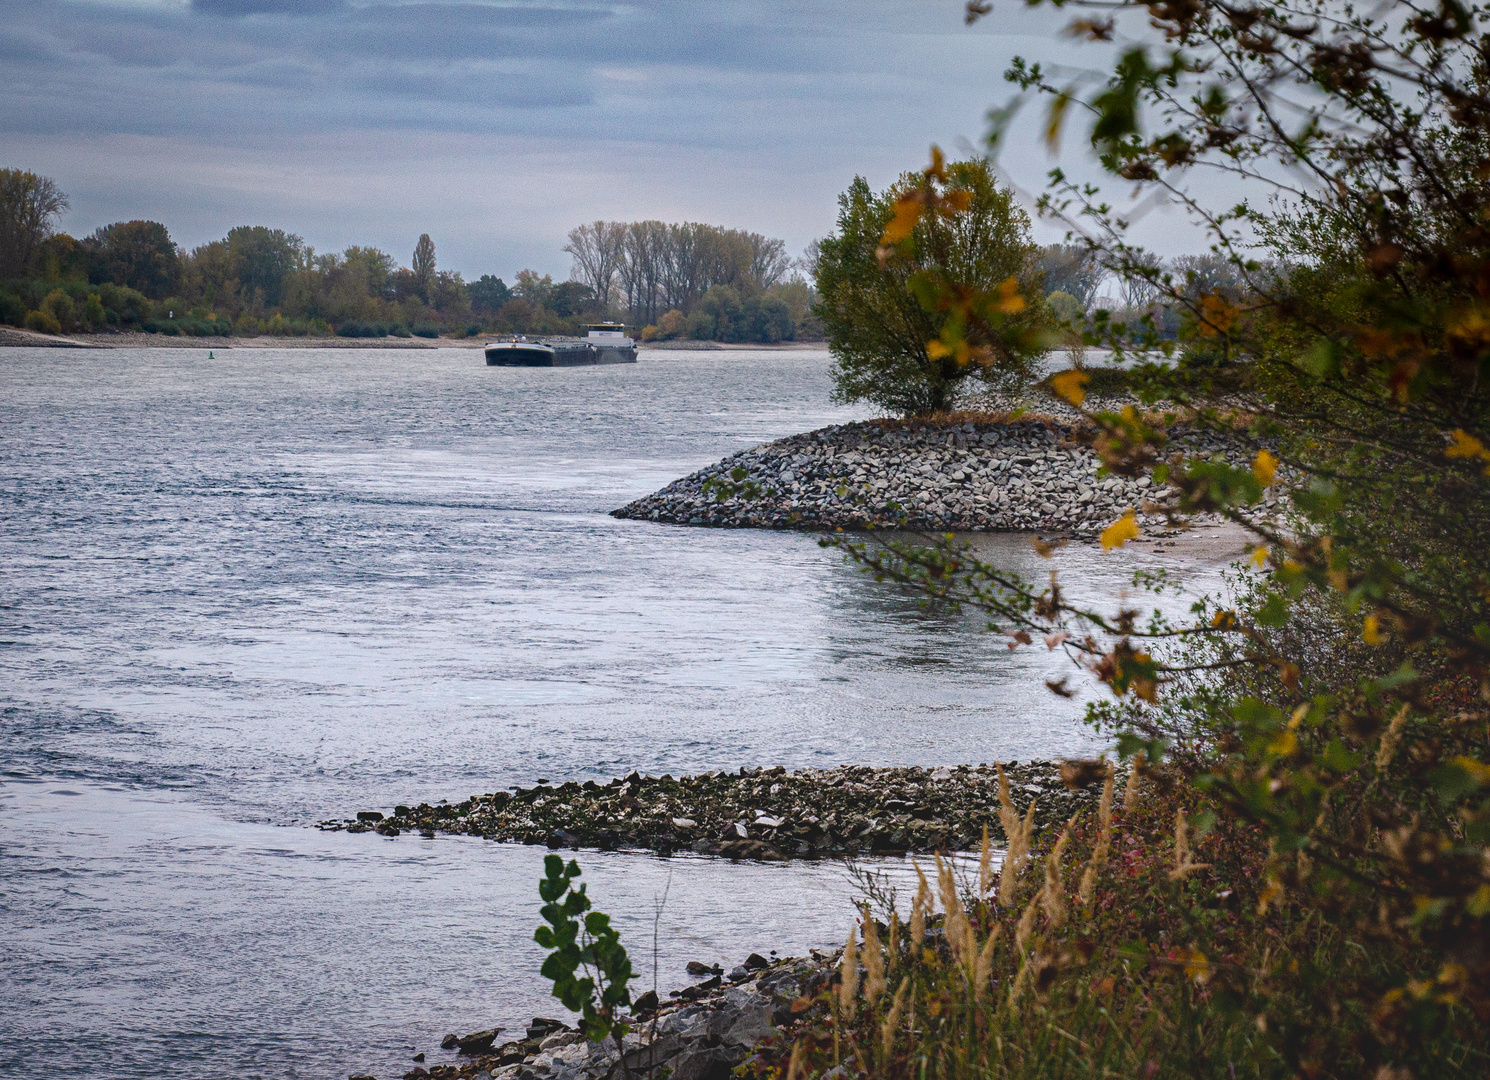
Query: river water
(244, 593)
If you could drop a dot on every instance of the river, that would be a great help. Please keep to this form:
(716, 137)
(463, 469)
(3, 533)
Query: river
(243, 593)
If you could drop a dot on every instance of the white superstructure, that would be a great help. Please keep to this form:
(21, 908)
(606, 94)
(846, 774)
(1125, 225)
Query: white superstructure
(605, 332)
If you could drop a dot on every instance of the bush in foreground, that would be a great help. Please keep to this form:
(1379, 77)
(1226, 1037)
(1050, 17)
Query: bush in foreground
(1325, 727)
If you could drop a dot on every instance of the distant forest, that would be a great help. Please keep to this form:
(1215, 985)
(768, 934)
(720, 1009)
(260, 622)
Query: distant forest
(665, 281)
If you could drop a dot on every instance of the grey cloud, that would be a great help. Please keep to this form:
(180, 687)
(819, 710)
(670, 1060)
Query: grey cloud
(747, 112)
(233, 8)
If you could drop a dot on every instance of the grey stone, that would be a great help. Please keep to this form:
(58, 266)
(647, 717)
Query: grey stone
(703, 1063)
(750, 1027)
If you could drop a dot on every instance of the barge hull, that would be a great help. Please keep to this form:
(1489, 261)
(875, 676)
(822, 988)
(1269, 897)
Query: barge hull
(584, 356)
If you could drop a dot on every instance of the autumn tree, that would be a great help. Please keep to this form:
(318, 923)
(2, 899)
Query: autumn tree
(261, 258)
(137, 254)
(1074, 270)
(885, 318)
(423, 266)
(29, 207)
(598, 250)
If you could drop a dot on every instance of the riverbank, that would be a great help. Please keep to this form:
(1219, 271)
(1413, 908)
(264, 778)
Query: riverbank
(988, 473)
(755, 813)
(701, 1032)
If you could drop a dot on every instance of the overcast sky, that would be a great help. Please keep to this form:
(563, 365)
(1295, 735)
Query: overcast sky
(497, 126)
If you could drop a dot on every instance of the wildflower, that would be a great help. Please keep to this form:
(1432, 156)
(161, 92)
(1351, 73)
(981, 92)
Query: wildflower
(1183, 862)
(874, 964)
(892, 1018)
(1130, 791)
(1104, 841)
(1389, 739)
(1053, 895)
(848, 989)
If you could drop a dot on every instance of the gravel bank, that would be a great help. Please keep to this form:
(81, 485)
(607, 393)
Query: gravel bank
(993, 476)
(755, 813)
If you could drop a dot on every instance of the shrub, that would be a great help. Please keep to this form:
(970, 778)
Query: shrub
(362, 330)
(1328, 725)
(93, 314)
(472, 329)
(700, 326)
(12, 309)
(671, 324)
(587, 963)
(60, 307)
(1065, 308)
(426, 330)
(43, 322)
(127, 306)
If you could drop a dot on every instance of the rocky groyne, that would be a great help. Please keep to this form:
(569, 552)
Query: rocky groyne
(1026, 474)
(755, 813)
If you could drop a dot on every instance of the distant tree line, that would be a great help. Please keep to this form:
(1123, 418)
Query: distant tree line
(665, 280)
(1074, 278)
(698, 281)
(687, 280)
(255, 280)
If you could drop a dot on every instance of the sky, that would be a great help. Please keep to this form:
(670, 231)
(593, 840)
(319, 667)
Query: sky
(498, 126)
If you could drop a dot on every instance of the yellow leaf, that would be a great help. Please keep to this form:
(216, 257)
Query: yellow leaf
(1057, 119)
(1466, 445)
(1071, 385)
(1270, 892)
(1259, 556)
(1120, 532)
(1283, 744)
(1224, 620)
(1479, 903)
(1371, 631)
(1476, 769)
(1197, 965)
(907, 215)
(1264, 467)
(1009, 301)
(938, 166)
(957, 201)
(1217, 314)
(936, 350)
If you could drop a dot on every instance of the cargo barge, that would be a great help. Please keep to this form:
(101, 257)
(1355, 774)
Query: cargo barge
(603, 343)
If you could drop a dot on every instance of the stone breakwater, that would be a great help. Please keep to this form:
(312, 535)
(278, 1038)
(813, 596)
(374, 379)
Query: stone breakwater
(755, 813)
(702, 1033)
(993, 476)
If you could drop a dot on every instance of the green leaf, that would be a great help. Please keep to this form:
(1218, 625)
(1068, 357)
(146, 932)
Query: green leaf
(1274, 612)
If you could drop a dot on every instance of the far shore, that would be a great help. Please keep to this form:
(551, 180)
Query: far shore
(15, 337)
